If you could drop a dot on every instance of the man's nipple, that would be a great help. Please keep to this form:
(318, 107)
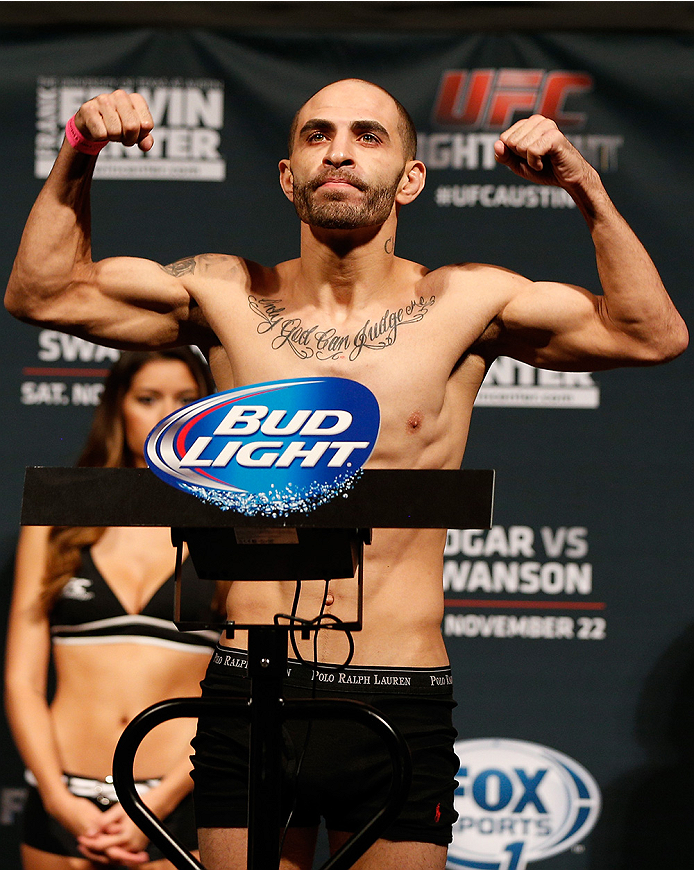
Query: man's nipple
(414, 422)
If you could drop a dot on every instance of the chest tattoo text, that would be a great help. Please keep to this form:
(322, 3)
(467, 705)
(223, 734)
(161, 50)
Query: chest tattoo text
(328, 344)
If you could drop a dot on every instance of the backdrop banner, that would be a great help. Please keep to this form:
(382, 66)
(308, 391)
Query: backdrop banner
(568, 623)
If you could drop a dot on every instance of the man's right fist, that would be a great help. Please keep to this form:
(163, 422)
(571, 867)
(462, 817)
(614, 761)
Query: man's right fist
(117, 117)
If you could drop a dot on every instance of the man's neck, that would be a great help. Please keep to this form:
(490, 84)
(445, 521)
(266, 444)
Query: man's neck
(346, 268)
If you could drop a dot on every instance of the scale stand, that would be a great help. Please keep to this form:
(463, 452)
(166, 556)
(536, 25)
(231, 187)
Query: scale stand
(327, 544)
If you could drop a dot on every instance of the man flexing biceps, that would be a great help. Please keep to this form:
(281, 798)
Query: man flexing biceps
(352, 166)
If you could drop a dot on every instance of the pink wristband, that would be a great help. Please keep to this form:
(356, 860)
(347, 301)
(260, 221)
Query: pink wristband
(79, 142)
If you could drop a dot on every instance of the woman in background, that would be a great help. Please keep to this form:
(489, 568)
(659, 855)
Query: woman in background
(100, 603)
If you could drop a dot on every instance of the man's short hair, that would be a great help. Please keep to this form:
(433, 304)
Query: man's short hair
(406, 127)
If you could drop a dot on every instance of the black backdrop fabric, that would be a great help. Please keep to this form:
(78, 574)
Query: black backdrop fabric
(569, 623)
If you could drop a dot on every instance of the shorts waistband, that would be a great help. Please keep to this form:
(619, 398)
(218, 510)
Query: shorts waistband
(344, 679)
(101, 790)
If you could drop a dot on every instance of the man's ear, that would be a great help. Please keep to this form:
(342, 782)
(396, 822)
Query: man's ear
(412, 182)
(287, 179)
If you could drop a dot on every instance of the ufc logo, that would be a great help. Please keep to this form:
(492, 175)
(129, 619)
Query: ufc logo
(489, 99)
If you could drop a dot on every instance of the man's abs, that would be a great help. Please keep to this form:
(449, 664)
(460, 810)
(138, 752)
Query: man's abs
(403, 604)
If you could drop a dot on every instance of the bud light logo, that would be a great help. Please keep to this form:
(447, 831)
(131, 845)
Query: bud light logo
(518, 802)
(268, 449)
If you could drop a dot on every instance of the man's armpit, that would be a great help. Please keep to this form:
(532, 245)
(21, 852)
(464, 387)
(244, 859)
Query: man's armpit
(488, 341)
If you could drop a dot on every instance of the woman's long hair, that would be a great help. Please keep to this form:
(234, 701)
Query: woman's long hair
(106, 447)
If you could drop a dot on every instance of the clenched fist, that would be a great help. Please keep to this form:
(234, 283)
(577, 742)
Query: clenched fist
(117, 117)
(536, 150)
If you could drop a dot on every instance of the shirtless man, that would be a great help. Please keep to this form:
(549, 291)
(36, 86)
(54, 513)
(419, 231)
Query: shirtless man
(352, 166)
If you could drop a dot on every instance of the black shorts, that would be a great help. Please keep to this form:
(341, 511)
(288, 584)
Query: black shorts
(41, 831)
(345, 771)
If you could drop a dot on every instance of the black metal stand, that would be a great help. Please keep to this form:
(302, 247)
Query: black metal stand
(329, 545)
(172, 848)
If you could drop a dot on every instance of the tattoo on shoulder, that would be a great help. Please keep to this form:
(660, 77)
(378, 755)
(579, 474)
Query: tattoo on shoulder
(311, 340)
(218, 265)
(214, 265)
(181, 267)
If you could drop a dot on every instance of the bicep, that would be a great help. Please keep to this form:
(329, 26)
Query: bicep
(137, 302)
(562, 326)
(123, 301)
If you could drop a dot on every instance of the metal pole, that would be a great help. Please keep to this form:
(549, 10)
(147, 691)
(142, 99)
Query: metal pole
(267, 665)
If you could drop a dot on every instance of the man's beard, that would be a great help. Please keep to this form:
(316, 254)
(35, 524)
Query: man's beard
(334, 213)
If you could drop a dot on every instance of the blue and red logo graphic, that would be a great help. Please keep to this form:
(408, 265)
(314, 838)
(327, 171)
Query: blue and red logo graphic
(268, 449)
(518, 802)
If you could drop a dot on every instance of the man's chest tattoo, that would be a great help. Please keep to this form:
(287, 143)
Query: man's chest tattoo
(308, 341)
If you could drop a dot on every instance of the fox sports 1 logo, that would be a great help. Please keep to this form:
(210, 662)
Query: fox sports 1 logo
(518, 802)
(268, 449)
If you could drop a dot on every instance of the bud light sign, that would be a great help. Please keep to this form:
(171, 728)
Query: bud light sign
(268, 449)
(518, 802)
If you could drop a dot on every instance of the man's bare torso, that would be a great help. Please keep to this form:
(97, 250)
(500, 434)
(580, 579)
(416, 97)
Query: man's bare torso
(421, 341)
(416, 345)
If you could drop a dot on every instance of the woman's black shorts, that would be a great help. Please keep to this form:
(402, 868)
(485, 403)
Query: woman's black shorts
(42, 831)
